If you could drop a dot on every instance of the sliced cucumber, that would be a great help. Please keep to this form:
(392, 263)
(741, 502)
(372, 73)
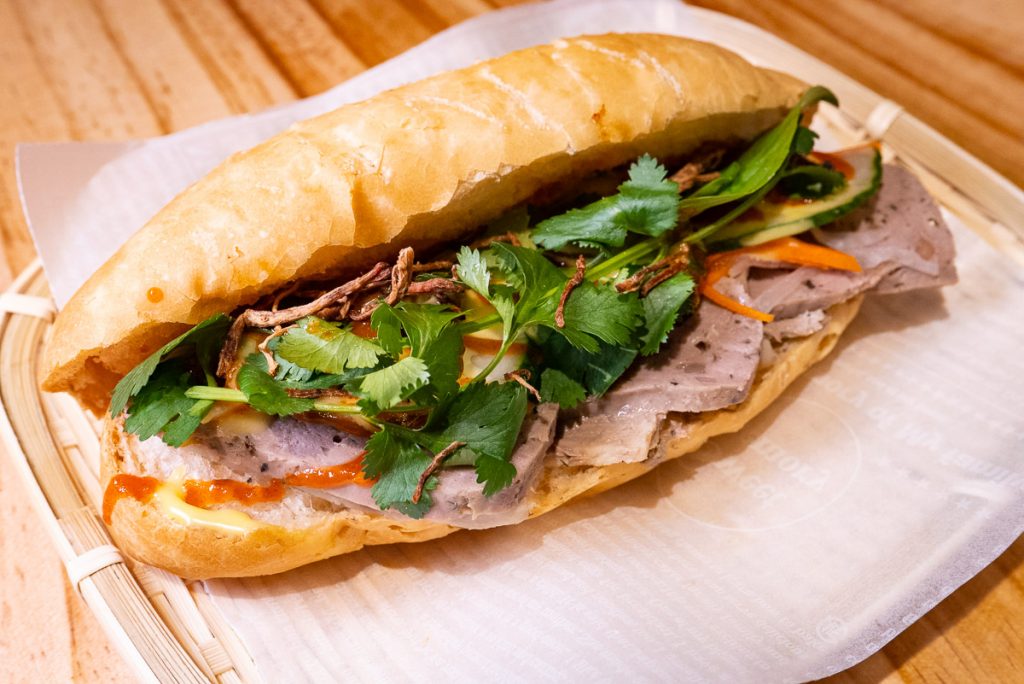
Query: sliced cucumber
(777, 220)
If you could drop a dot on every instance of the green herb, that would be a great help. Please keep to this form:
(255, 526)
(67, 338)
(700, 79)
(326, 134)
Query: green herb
(760, 163)
(397, 462)
(384, 388)
(161, 406)
(591, 311)
(473, 271)
(595, 372)
(558, 387)
(601, 312)
(266, 394)
(207, 334)
(318, 345)
(661, 310)
(811, 181)
(431, 337)
(647, 204)
(486, 417)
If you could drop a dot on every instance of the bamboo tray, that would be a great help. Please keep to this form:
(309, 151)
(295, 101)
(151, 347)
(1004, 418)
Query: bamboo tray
(166, 628)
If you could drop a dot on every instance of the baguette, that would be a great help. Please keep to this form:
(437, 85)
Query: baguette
(423, 165)
(420, 165)
(301, 534)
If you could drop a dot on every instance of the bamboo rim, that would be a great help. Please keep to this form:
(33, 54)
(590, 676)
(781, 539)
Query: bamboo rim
(168, 629)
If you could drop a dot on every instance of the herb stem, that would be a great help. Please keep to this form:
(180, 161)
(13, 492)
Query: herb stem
(712, 228)
(238, 397)
(482, 375)
(352, 409)
(625, 257)
(216, 394)
(612, 264)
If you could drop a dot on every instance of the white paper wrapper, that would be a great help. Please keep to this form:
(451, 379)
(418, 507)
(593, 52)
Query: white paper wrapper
(880, 482)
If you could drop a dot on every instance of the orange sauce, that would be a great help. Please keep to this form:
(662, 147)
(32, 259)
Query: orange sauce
(207, 493)
(331, 476)
(486, 345)
(137, 487)
(835, 161)
(363, 329)
(155, 294)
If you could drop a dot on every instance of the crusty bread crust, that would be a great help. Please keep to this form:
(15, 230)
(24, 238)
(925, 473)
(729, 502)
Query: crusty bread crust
(419, 165)
(192, 551)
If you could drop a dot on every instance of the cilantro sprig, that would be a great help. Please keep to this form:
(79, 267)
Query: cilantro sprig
(647, 204)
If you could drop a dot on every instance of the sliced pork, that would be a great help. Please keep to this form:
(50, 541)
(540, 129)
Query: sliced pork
(708, 363)
(901, 242)
(459, 499)
(261, 453)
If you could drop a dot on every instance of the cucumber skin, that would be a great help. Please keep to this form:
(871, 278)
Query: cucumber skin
(805, 223)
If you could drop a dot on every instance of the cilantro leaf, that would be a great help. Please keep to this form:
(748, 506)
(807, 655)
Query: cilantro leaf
(647, 203)
(161, 406)
(202, 335)
(603, 312)
(386, 387)
(473, 271)
(266, 394)
(558, 387)
(443, 356)
(423, 323)
(397, 462)
(430, 336)
(591, 311)
(326, 347)
(309, 379)
(388, 328)
(486, 416)
(661, 310)
(596, 372)
(494, 473)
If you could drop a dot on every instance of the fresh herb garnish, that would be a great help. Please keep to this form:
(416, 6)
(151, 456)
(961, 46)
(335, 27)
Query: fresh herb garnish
(661, 310)
(583, 333)
(213, 328)
(265, 394)
(318, 345)
(647, 204)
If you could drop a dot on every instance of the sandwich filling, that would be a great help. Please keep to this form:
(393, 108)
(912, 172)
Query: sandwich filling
(441, 388)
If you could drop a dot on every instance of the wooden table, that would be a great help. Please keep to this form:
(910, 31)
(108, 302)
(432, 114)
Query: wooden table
(108, 69)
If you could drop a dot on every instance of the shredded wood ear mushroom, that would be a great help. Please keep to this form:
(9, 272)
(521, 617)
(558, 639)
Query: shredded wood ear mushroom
(441, 265)
(270, 319)
(522, 376)
(574, 282)
(652, 275)
(509, 238)
(401, 274)
(425, 475)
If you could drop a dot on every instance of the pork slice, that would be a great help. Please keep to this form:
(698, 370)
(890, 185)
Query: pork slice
(899, 238)
(708, 363)
(899, 231)
(286, 445)
(786, 293)
(458, 499)
(801, 325)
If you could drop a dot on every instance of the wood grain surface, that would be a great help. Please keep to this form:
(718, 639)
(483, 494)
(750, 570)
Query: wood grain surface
(110, 69)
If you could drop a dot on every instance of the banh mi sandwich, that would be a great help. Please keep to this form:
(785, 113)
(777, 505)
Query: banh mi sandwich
(466, 301)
